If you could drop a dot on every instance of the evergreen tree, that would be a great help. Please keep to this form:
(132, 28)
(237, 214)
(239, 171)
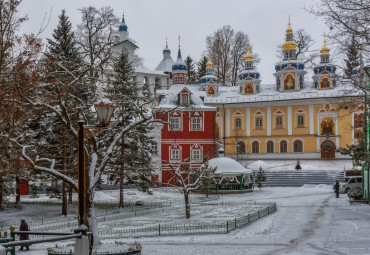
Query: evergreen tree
(352, 61)
(201, 67)
(132, 160)
(191, 70)
(260, 177)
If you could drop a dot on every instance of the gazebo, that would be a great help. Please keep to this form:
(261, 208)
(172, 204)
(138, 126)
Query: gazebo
(230, 175)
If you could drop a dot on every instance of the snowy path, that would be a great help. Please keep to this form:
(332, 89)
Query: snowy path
(309, 220)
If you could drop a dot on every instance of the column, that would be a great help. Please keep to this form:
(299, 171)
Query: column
(290, 124)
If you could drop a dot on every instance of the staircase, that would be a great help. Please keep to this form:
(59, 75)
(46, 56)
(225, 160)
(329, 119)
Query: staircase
(299, 178)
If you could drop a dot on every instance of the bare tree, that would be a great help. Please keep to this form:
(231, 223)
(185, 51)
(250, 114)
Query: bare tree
(189, 180)
(227, 50)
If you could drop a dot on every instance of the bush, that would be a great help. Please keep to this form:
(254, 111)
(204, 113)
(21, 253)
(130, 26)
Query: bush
(353, 172)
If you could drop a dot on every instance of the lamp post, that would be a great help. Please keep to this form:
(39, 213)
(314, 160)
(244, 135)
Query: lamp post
(237, 152)
(104, 110)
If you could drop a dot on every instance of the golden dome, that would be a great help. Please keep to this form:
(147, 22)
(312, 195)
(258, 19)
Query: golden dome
(248, 56)
(209, 63)
(289, 45)
(289, 29)
(324, 50)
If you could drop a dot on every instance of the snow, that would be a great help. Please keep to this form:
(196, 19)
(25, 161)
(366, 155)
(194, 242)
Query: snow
(226, 165)
(308, 220)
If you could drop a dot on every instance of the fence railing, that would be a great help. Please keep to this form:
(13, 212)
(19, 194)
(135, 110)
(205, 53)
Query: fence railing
(194, 228)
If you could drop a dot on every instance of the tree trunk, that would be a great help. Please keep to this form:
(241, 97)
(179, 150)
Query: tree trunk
(122, 174)
(70, 195)
(187, 204)
(91, 218)
(17, 190)
(1, 191)
(64, 192)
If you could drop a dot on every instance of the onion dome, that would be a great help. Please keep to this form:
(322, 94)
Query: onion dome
(324, 50)
(209, 62)
(166, 50)
(289, 45)
(123, 26)
(289, 30)
(179, 64)
(248, 56)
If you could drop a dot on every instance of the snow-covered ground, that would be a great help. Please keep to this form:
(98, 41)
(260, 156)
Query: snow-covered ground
(309, 220)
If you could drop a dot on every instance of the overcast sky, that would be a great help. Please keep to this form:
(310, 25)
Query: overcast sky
(151, 21)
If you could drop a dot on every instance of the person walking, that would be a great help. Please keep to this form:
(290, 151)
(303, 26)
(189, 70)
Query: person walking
(336, 188)
(24, 236)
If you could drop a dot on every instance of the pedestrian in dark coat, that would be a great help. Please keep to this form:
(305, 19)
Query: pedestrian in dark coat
(336, 188)
(24, 236)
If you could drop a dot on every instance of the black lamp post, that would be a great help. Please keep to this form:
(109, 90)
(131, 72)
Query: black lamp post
(104, 110)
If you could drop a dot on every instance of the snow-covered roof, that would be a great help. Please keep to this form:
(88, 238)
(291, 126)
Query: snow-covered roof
(227, 165)
(228, 94)
(166, 64)
(146, 70)
(171, 97)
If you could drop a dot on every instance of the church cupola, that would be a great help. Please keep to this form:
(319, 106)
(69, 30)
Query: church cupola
(209, 82)
(290, 71)
(179, 69)
(325, 77)
(249, 79)
(167, 62)
(289, 45)
(123, 32)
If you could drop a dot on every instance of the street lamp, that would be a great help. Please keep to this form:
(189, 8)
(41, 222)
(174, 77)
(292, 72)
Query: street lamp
(104, 110)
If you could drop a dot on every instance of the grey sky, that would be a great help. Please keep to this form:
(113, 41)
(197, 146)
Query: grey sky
(151, 21)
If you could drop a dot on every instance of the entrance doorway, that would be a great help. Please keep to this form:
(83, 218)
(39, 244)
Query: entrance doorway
(328, 150)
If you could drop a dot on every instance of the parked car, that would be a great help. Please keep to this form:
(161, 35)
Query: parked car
(348, 183)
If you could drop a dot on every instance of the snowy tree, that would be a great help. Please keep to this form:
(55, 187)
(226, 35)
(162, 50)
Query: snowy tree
(189, 180)
(260, 178)
(95, 36)
(132, 161)
(201, 67)
(352, 60)
(191, 70)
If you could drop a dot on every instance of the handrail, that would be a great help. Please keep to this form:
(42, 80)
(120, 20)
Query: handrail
(43, 240)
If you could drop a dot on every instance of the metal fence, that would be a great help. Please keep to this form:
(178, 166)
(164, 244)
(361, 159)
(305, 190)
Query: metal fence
(224, 227)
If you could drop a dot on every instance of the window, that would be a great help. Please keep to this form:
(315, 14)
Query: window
(240, 147)
(196, 154)
(301, 81)
(283, 147)
(298, 146)
(184, 100)
(146, 80)
(358, 120)
(300, 121)
(154, 148)
(175, 154)
(279, 122)
(255, 147)
(180, 78)
(174, 123)
(196, 123)
(238, 123)
(157, 82)
(270, 147)
(278, 82)
(258, 123)
(175, 79)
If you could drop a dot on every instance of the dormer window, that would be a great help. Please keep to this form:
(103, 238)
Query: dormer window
(184, 99)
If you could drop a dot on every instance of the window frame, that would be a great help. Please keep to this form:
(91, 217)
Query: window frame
(172, 154)
(298, 146)
(300, 121)
(200, 123)
(198, 153)
(254, 150)
(238, 123)
(277, 122)
(171, 125)
(283, 144)
(259, 123)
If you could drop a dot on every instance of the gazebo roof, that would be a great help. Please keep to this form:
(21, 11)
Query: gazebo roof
(227, 166)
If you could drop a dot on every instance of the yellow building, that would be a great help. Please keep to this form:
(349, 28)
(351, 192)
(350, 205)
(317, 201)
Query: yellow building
(290, 119)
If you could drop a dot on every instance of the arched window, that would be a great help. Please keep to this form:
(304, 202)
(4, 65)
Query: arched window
(240, 146)
(270, 147)
(255, 147)
(238, 123)
(175, 79)
(301, 81)
(298, 146)
(283, 147)
(180, 78)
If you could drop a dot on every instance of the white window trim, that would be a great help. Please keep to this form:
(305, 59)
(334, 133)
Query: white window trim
(170, 128)
(171, 148)
(196, 147)
(201, 124)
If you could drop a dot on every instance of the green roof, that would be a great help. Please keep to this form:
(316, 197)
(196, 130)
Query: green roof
(127, 41)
